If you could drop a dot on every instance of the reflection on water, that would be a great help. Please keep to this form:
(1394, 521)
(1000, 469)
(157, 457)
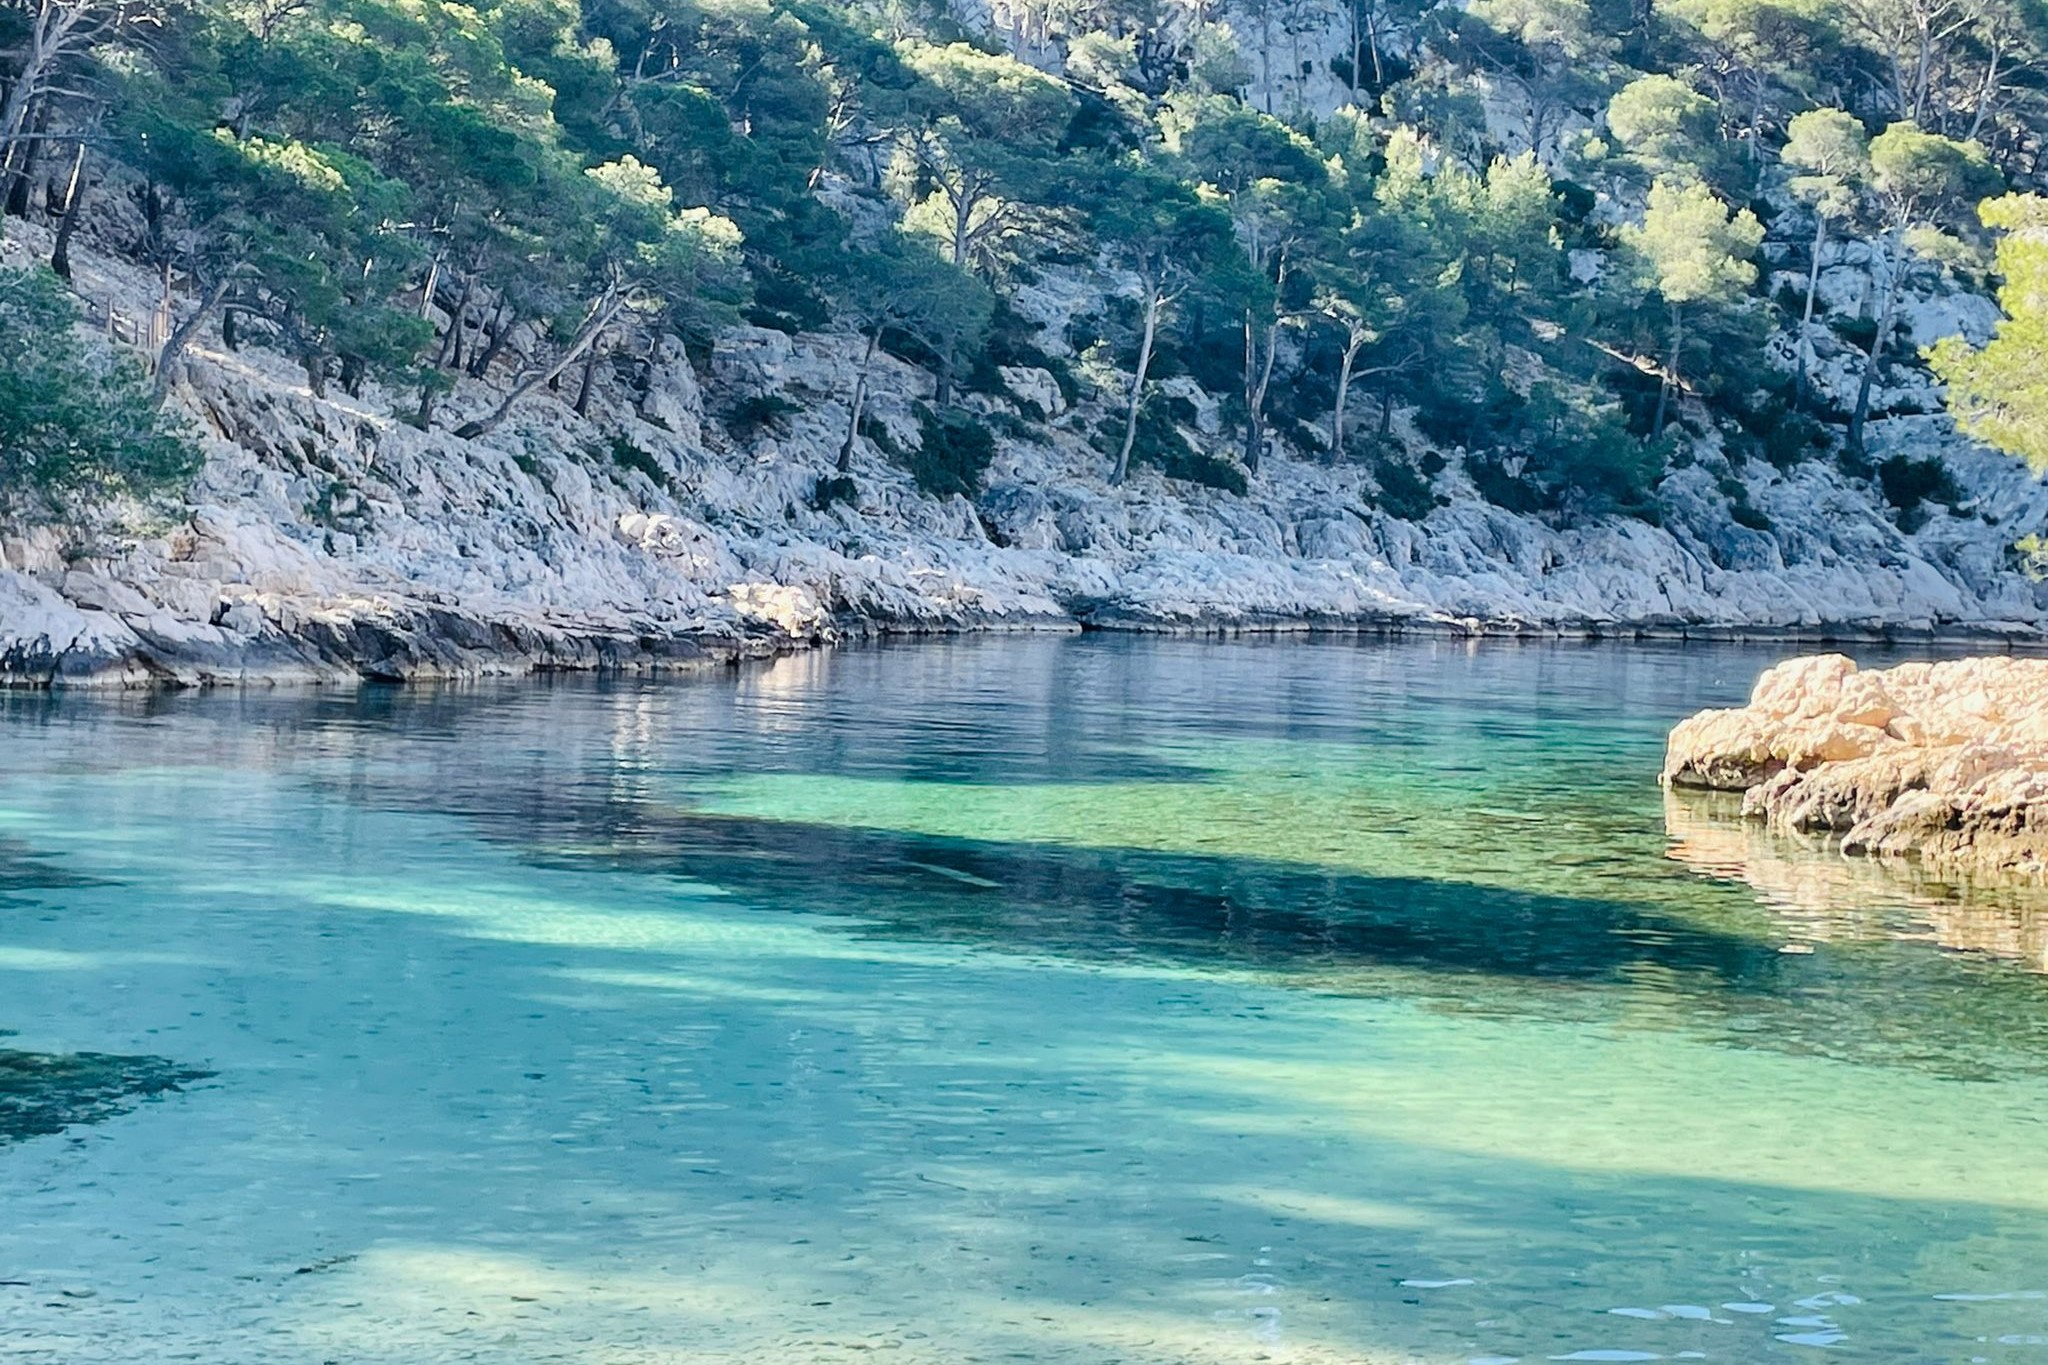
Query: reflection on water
(1056, 1000)
(1822, 896)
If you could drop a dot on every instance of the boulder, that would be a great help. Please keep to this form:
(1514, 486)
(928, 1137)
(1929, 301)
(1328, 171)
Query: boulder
(1947, 762)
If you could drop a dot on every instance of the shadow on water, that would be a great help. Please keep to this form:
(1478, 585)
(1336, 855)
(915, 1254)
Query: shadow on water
(44, 1093)
(597, 776)
(23, 870)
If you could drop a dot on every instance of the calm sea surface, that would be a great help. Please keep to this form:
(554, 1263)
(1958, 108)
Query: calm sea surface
(1066, 1000)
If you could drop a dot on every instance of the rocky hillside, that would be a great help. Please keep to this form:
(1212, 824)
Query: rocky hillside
(690, 516)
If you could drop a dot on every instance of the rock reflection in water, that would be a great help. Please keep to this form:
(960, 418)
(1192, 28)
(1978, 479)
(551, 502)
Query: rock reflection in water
(1820, 895)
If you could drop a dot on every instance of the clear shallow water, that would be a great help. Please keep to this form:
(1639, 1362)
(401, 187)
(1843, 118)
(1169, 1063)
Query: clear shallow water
(1040, 1000)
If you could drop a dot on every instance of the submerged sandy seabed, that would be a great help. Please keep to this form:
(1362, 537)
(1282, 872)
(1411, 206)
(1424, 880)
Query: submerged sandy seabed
(766, 1020)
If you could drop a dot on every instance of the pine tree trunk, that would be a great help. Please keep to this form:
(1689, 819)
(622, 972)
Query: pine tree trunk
(1123, 458)
(74, 200)
(860, 397)
(1670, 372)
(451, 346)
(25, 165)
(1255, 391)
(601, 316)
(1820, 236)
(1875, 356)
(180, 337)
(963, 219)
(1352, 345)
(589, 382)
(503, 322)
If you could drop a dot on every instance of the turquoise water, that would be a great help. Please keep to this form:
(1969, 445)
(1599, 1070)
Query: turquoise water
(1078, 1000)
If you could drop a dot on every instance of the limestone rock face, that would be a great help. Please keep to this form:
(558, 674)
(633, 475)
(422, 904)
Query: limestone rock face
(1947, 762)
(695, 509)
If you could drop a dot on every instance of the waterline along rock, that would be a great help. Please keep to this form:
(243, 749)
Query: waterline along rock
(331, 539)
(1945, 762)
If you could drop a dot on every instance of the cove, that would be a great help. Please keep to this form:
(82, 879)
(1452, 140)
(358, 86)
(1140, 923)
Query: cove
(1041, 999)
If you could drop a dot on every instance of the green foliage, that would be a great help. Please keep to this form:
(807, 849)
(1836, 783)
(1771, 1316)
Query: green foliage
(1691, 249)
(831, 490)
(919, 305)
(628, 456)
(1404, 491)
(415, 192)
(1666, 126)
(1741, 510)
(1999, 392)
(1160, 444)
(954, 448)
(1924, 175)
(76, 427)
(980, 161)
(1832, 153)
(1012, 341)
(1574, 453)
(1907, 482)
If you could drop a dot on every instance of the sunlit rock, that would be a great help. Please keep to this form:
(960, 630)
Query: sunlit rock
(1945, 762)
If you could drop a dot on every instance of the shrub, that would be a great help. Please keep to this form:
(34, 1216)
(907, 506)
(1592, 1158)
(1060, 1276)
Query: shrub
(1160, 444)
(1858, 332)
(628, 456)
(831, 489)
(1908, 482)
(1404, 491)
(1741, 510)
(953, 451)
(1771, 427)
(877, 431)
(1012, 340)
(76, 428)
(757, 413)
(1498, 486)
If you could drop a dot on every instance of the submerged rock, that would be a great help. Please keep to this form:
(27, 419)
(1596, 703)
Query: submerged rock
(1945, 762)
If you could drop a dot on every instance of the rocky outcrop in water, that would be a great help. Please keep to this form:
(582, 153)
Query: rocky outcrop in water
(1946, 762)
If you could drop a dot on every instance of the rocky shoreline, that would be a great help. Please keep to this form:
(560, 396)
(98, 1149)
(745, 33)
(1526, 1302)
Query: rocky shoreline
(328, 539)
(88, 631)
(1946, 763)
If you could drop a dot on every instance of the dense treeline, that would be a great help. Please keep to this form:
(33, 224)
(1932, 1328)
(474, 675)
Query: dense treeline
(1531, 225)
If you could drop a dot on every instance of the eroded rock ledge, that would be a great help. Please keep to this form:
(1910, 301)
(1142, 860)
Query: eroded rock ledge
(1945, 762)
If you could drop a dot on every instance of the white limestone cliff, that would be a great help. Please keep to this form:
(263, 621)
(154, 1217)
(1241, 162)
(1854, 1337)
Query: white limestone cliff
(328, 538)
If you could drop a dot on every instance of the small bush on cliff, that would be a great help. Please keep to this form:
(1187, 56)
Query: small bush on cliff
(76, 428)
(1404, 491)
(832, 489)
(630, 457)
(1159, 443)
(1912, 486)
(1908, 482)
(953, 451)
(757, 413)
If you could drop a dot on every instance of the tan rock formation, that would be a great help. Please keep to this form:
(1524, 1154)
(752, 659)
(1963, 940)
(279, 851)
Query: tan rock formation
(1945, 762)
